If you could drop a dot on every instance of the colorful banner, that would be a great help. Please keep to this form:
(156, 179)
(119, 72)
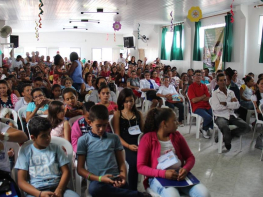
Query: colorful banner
(213, 49)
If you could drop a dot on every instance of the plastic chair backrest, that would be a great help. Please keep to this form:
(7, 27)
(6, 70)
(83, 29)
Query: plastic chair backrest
(13, 112)
(72, 120)
(4, 120)
(111, 123)
(20, 113)
(260, 109)
(256, 113)
(210, 103)
(140, 137)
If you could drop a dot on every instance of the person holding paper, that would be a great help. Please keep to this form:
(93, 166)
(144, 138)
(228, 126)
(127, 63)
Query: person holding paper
(127, 124)
(224, 102)
(160, 140)
(172, 98)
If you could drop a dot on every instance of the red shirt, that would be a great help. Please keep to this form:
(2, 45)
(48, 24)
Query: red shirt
(196, 90)
(157, 81)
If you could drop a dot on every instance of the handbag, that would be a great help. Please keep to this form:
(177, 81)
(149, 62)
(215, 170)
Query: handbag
(4, 185)
(259, 142)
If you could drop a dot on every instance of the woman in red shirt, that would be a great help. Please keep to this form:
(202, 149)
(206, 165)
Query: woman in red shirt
(160, 137)
(155, 78)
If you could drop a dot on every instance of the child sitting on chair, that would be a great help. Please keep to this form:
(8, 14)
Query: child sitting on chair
(81, 126)
(44, 162)
(103, 154)
(73, 106)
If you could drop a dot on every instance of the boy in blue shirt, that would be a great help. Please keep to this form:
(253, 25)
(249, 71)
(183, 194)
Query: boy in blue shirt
(45, 162)
(103, 154)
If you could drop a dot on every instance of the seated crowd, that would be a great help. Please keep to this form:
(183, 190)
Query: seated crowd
(102, 99)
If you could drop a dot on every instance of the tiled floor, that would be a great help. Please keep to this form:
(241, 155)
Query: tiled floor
(235, 173)
(230, 174)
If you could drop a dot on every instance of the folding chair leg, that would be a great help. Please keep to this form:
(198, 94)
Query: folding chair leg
(255, 128)
(191, 118)
(261, 155)
(220, 141)
(241, 143)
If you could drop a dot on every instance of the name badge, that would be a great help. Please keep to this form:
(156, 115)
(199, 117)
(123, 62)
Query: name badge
(167, 160)
(134, 130)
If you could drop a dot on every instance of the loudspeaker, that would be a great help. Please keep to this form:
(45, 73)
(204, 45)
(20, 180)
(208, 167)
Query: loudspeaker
(15, 40)
(128, 42)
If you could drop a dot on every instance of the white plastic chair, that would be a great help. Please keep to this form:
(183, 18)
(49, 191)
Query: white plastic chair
(87, 97)
(111, 123)
(257, 120)
(198, 119)
(4, 120)
(15, 147)
(72, 120)
(220, 135)
(146, 105)
(22, 113)
(13, 112)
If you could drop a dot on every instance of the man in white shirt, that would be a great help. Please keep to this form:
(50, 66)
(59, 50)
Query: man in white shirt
(27, 98)
(17, 63)
(121, 60)
(223, 103)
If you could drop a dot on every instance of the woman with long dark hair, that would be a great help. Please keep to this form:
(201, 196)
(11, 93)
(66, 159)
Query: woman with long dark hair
(127, 124)
(160, 138)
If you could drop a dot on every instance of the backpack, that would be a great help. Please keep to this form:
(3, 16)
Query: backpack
(259, 142)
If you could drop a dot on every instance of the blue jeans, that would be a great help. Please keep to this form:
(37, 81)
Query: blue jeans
(67, 193)
(180, 107)
(207, 116)
(247, 104)
(198, 190)
(99, 189)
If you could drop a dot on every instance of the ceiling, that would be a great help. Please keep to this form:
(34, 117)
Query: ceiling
(21, 14)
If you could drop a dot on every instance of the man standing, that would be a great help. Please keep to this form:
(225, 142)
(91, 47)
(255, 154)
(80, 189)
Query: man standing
(121, 60)
(199, 97)
(224, 102)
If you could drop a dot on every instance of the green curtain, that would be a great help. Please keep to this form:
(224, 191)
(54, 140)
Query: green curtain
(261, 49)
(197, 51)
(163, 50)
(228, 40)
(177, 48)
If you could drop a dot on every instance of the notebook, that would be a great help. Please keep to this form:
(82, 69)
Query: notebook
(190, 179)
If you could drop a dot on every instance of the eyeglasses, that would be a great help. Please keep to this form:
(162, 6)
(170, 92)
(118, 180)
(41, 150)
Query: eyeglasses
(41, 95)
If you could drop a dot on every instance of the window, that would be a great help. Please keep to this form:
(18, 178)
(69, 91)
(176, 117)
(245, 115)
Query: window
(77, 50)
(107, 54)
(64, 52)
(42, 51)
(168, 41)
(260, 29)
(104, 54)
(29, 50)
(96, 55)
(202, 32)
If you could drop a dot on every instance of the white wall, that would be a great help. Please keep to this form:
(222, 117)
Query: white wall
(253, 49)
(86, 41)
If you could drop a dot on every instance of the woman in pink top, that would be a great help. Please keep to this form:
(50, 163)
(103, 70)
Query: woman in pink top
(160, 137)
(56, 115)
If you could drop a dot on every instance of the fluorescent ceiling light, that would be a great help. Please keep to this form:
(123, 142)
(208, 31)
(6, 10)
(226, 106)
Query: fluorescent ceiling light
(84, 20)
(75, 27)
(99, 12)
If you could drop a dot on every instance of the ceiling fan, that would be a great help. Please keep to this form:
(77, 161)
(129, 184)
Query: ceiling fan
(143, 38)
(5, 31)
